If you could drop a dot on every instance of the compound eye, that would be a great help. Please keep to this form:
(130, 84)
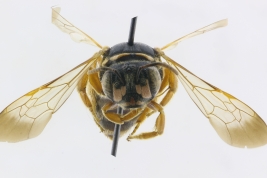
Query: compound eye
(107, 84)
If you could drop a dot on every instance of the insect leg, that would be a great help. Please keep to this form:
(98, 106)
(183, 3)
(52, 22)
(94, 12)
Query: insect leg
(116, 118)
(94, 82)
(91, 80)
(159, 125)
(168, 88)
(140, 120)
(81, 87)
(173, 84)
(164, 82)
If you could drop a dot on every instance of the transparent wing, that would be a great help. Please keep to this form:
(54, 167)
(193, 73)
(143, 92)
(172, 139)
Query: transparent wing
(221, 23)
(76, 34)
(234, 121)
(27, 116)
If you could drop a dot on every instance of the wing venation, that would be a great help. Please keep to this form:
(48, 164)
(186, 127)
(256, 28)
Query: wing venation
(75, 33)
(213, 26)
(27, 116)
(234, 121)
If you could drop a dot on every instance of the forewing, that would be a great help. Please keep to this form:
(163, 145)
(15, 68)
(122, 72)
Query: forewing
(76, 34)
(234, 121)
(221, 23)
(27, 116)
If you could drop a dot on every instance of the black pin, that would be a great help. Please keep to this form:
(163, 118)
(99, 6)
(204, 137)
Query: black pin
(132, 31)
(116, 134)
(117, 128)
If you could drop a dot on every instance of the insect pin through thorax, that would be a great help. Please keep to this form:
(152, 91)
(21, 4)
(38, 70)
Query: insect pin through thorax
(139, 79)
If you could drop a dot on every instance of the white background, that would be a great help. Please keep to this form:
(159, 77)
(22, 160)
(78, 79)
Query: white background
(34, 52)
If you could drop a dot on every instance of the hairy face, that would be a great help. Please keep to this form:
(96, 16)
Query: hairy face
(131, 86)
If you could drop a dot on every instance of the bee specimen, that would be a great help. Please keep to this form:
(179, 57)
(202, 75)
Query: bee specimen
(139, 79)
